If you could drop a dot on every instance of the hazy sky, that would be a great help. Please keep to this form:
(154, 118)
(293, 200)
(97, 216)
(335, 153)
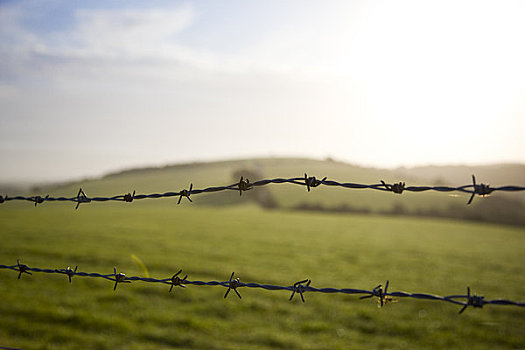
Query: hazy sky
(89, 87)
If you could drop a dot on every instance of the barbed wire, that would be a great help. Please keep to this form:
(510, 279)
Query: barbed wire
(383, 295)
(300, 287)
(243, 185)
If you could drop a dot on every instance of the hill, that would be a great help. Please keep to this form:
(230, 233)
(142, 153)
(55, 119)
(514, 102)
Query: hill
(501, 207)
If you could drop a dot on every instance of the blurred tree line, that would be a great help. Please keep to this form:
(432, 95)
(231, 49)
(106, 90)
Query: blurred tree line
(494, 210)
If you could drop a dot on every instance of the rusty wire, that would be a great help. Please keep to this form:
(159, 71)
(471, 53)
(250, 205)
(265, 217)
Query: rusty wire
(383, 296)
(309, 182)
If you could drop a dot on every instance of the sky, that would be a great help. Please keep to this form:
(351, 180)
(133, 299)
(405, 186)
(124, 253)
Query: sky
(92, 87)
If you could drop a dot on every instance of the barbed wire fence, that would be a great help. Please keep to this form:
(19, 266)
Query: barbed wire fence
(383, 295)
(300, 287)
(243, 185)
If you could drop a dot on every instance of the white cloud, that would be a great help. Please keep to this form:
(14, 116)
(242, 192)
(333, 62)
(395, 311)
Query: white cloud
(131, 33)
(120, 42)
(146, 43)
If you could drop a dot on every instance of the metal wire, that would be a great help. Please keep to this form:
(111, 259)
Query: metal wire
(300, 287)
(245, 185)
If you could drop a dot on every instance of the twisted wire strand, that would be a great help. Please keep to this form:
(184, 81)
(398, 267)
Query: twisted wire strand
(244, 185)
(301, 287)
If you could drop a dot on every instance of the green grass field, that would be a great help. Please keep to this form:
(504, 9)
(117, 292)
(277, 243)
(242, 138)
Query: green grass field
(273, 247)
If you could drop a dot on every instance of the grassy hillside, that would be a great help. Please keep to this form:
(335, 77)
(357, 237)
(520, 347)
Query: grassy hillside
(419, 255)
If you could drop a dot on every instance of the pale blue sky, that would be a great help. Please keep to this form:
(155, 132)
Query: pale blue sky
(91, 87)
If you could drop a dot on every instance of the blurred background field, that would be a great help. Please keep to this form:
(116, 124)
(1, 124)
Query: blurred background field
(274, 247)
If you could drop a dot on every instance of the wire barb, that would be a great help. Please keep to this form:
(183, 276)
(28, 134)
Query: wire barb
(129, 197)
(382, 296)
(312, 181)
(398, 187)
(233, 284)
(119, 278)
(244, 185)
(39, 200)
(473, 300)
(22, 268)
(481, 189)
(3, 199)
(185, 193)
(81, 198)
(68, 271)
(298, 287)
(177, 281)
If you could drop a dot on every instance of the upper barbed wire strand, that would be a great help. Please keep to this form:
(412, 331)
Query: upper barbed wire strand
(244, 185)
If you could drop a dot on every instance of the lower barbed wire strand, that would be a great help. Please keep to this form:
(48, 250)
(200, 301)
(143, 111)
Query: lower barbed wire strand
(504, 302)
(474, 301)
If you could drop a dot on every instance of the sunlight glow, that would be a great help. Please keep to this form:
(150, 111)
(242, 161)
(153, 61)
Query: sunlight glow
(378, 83)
